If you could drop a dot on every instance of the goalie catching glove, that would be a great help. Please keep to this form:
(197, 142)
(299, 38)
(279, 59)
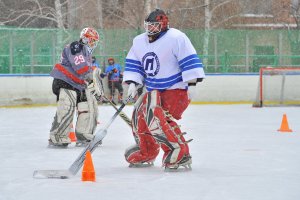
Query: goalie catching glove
(95, 86)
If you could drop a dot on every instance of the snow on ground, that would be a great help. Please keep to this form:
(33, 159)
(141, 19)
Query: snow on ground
(237, 155)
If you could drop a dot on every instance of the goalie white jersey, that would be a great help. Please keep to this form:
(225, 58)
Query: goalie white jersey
(168, 63)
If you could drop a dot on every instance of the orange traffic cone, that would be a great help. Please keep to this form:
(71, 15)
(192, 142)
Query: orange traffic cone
(72, 134)
(284, 125)
(88, 172)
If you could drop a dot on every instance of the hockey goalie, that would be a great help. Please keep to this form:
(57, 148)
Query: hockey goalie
(164, 60)
(76, 86)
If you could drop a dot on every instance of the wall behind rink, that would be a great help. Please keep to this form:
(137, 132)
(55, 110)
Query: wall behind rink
(37, 89)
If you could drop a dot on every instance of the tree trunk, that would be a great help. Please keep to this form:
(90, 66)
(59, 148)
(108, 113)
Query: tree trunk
(100, 16)
(147, 7)
(207, 33)
(72, 14)
(60, 26)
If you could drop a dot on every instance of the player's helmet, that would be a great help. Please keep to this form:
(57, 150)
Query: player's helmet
(156, 22)
(90, 38)
(111, 61)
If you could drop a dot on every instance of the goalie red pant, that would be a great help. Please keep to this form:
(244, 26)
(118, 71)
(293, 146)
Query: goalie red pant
(154, 127)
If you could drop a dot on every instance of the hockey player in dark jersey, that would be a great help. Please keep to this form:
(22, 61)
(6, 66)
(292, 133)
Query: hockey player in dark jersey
(75, 88)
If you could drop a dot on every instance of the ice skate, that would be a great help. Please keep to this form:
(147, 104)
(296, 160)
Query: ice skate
(57, 145)
(141, 164)
(84, 139)
(183, 165)
(84, 143)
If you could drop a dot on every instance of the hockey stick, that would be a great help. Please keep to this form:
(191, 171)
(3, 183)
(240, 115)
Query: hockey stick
(77, 164)
(121, 114)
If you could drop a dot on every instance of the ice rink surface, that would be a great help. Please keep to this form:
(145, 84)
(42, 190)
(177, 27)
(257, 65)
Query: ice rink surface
(238, 154)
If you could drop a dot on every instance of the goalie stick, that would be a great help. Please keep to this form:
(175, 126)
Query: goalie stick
(98, 82)
(121, 114)
(77, 164)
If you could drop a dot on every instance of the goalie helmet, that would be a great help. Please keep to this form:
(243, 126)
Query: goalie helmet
(90, 38)
(156, 22)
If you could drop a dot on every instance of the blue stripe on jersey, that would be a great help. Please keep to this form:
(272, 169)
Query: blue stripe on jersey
(133, 61)
(193, 66)
(154, 80)
(190, 62)
(134, 66)
(187, 58)
(162, 83)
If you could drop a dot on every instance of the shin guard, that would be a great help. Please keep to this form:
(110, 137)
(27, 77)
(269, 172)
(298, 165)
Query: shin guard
(87, 118)
(64, 117)
(164, 129)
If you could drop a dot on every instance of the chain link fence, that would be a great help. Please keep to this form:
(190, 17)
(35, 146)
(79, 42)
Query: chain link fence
(35, 51)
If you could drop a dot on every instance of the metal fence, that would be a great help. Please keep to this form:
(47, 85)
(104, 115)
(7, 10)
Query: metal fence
(35, 51)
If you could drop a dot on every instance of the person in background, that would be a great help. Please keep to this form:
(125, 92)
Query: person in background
(95, 62)
(114, 73)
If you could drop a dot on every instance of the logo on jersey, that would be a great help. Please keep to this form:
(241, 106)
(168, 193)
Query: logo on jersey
(151, 64)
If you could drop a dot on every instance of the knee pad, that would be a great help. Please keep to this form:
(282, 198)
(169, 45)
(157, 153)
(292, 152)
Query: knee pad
(64, 115)
(87, 119)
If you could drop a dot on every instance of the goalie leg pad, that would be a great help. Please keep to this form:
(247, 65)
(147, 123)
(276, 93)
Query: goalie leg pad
(158, 122)
(138, 118)
(147, 147)
(59, 133)
(87, 119)
(145, 152)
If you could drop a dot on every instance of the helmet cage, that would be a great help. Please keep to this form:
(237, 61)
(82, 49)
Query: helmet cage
(152, 28)
(90, 38)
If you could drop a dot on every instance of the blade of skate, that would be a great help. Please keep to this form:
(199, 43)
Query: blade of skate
(180, 169)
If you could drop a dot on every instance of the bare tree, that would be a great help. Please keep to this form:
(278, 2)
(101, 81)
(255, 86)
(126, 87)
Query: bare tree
(212, 11)
(27, 14)
(293, 31)
(126, 15)
(100, 13)
(60, 25)
(148, 8)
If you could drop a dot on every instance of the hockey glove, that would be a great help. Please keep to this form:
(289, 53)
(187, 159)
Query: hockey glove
(115, 70)
(102, 75)
(95, 86)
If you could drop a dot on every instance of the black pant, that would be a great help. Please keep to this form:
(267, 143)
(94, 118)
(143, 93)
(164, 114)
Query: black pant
(57, 84)
(113, 85)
